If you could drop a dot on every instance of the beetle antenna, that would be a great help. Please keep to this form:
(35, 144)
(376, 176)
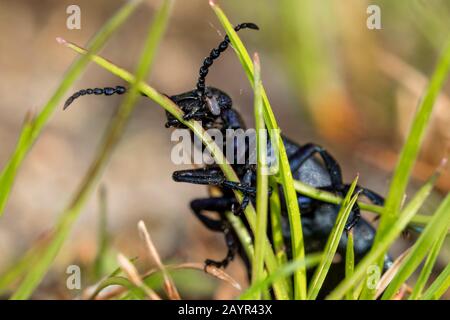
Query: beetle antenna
(97, 91)
(214, 54)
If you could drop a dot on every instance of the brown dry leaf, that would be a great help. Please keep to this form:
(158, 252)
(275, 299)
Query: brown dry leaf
(401, 293)
(390, 273)
(169, 285)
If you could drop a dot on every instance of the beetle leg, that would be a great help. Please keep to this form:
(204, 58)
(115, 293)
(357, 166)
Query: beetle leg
(190, 115)
(211, 204)
(238, 209)
(308, 151)
(374, 197)
(217, 204)
(355, 219)
(232, 246)
(212, 177)
(246, 182)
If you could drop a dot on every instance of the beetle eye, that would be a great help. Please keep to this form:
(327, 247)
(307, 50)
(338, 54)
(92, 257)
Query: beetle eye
(213, 105)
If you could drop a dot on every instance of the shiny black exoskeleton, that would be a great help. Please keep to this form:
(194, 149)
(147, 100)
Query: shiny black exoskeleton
(309, 163)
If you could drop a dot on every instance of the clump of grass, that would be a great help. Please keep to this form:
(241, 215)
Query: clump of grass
(402, 173)
(333, 242)
(269, 264)
(112, 136)
(280, 287)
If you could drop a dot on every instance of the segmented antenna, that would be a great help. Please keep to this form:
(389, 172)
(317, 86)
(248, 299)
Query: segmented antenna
(214, 54)
(97, 91)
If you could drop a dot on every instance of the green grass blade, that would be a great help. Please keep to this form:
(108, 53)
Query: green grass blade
(114, 132)
(438, 225)
(276, 224)
(17, 271)
(244, 237)
(281, 288)
(439, 286)
(284, 271)
(114, 281)
(349, 263)
(103, 236)
(385, 242)
(332, 243)
(285, 171)
(31, 133)
(428, 267)
(262, 181)
(412, 145)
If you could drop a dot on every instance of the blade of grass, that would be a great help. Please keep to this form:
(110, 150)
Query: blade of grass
(285, 174)
(32, 130)
(262, 181)
(112, 136)
(113, 274)
(428, 267)
(103, 237)
(284, 271)
(17, 271)
(275, 220)
(281, 288)
(438, 225)
(411, 147)
(387, 240)
(349, 263)
(439, 286)
(357, 290)
(113, 281)
(332, 243)
(244, 237)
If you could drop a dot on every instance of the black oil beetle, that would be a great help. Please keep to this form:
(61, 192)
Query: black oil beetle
(309, 163)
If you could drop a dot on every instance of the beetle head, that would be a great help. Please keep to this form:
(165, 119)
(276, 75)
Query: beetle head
(206, 108)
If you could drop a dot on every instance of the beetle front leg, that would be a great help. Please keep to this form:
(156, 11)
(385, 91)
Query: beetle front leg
(354, 220)
(219, 204)
(373, 197)
(246, 181)
(212, 177)
(232, 246)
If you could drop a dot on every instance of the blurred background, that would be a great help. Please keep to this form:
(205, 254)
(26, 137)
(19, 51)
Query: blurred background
(329, 77)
